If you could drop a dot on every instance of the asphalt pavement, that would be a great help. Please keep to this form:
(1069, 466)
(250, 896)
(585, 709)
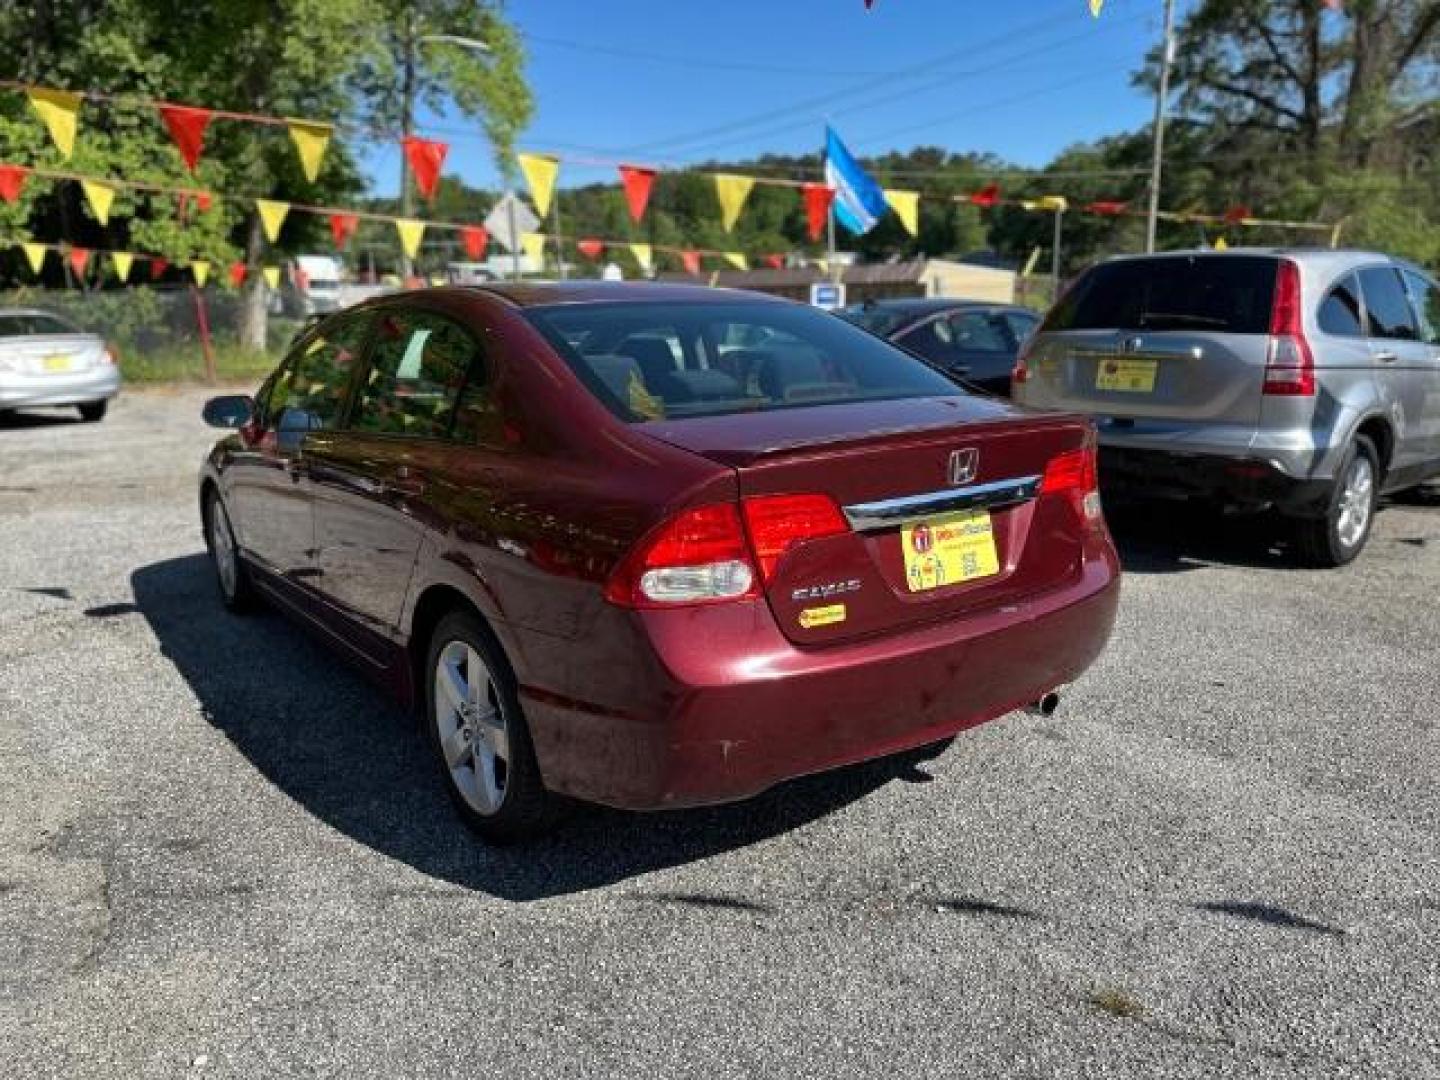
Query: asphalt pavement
(224, 854)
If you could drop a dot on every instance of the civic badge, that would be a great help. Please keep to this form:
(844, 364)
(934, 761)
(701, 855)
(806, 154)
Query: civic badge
(963, 464)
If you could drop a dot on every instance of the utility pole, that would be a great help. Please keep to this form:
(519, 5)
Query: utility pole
(408, 63)
(1167, 57)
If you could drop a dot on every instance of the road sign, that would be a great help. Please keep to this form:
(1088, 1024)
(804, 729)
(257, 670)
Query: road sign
(828, 295)
(509, 220)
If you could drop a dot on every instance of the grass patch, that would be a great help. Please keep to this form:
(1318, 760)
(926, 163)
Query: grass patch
(186, 363)
(1117, 1003)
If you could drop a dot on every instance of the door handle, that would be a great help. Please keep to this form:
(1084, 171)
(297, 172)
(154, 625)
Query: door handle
(1386, 357)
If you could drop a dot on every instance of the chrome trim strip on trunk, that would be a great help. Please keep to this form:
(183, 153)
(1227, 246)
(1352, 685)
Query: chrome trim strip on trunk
(888, 513)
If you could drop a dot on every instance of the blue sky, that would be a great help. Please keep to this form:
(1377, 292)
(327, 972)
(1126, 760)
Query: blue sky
(678, 81)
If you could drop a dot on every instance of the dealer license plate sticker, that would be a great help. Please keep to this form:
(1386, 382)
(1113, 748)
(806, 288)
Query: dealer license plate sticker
(58, 363)
(949, 550)
(1127, 376)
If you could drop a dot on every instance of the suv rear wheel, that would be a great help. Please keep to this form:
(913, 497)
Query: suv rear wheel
(1337, 537)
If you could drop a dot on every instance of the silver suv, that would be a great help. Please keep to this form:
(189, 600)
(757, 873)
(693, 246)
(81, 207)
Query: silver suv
(1301, 379)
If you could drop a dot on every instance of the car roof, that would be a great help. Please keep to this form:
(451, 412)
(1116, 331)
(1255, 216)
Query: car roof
(1319, 257)
(32, 311)
(526, 294)
(918, 305)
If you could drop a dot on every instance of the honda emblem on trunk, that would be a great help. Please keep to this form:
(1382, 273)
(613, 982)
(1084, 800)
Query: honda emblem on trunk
(963, 464)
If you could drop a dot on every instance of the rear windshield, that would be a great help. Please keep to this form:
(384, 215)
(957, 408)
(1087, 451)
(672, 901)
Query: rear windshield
(1222, 294)
(671, 360)
(25, 323)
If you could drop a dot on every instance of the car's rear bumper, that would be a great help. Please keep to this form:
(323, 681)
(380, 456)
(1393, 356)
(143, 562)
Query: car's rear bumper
(1239, 479)
(19, 391)
(731, 707)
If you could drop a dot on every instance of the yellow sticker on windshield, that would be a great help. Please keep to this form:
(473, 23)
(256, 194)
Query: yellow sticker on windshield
(828, 615)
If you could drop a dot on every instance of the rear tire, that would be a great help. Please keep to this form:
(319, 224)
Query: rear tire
(478, 733)
(237, 592)
(93, 412)
(1336, 538)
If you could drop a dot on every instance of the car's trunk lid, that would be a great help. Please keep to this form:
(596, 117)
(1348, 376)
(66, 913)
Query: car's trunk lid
(889, 465)
(51, 354)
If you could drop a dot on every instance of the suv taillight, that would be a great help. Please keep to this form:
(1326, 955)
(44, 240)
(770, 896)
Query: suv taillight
(1021, 372)
(1075, 474)
(725, 551)
(1290, 365)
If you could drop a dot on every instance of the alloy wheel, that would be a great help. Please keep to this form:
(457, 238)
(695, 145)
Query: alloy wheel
(470, 722)
(1357, 498)
(222, 544)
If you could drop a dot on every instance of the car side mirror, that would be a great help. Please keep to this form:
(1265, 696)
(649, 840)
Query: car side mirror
(230, 411)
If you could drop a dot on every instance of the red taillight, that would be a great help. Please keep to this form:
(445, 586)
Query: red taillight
(1021, 372)
(777, 523)
(110, 355)
(1290, 365)
(1075, 474)
(697, 557)
(707, 555)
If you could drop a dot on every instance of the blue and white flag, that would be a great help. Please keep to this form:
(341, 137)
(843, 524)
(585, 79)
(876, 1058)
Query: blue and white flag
(859, 202)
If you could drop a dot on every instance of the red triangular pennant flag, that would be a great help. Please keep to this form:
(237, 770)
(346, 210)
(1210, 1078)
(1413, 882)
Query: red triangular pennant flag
(691, 259)
(237, 274)
(475, 239)
(203, 201)
(989, 195)
(426, 156)
(591, 249)
(818, 198)
(638, 181)
(1237, 214)
(775, 262)
(187, 127)
(79, 259)
(12, 181)
(1108, 209)
(342, 228)
(158, 266)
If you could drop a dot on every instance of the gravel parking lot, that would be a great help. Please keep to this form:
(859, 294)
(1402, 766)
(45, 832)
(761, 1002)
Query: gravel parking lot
(224, 854)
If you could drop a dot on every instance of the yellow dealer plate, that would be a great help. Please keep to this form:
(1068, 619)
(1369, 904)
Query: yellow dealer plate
(949, 550)
(57, 363)
(1132, 376)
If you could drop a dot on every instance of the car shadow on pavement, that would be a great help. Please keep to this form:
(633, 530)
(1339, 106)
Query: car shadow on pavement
(10, 420)
(347, 753)
(1175, 538)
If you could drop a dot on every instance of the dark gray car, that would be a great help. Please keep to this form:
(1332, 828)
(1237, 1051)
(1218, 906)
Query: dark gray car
(1300, 379)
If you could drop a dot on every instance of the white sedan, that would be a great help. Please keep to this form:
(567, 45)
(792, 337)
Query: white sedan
(46, 361)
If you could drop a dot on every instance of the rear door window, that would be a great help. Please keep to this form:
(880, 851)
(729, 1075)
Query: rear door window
(419, 365)
(28, 323)
(980, 331)
(1387, 304)
(1425, 295)
(1216, 293)
(1340, 311)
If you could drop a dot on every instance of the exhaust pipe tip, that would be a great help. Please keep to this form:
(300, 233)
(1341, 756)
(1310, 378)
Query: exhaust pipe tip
(1045, 705)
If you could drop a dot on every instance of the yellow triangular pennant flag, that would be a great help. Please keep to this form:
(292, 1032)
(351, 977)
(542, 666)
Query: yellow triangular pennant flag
(271, 274)
(644, 255)
(1220, 244)
(1052, 202)
(733, 191)
(36, 254)
(310, 141)
(540, 172)
(906, 205)
(99, 196)
(201, 269)
(272, 217)
(823, 265)
(533, 244)
(122, 261)
(1095, 6)
(60, 110)
(737, 260)
(411, 233)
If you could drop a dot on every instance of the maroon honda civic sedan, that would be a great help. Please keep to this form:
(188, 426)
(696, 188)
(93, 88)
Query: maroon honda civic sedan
(657, 546)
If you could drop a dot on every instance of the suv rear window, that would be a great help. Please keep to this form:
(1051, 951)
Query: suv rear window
(668, 360)
(1216, 293)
